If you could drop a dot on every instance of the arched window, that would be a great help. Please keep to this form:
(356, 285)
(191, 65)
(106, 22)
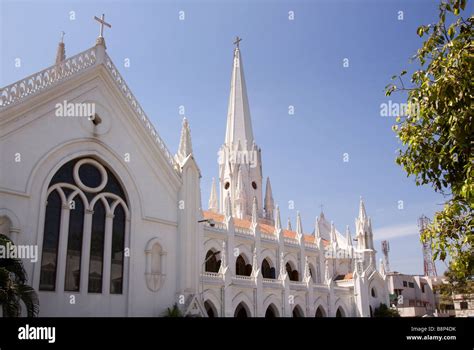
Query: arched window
(292, 274)
(212, 264)
(241, 311)
(241, 268)
(267, 271)
(84, 191)
(373, 292)
(210, 309)
(49, 260)
(340, 312)
(271, 311)
(320, 312)
(297, 312)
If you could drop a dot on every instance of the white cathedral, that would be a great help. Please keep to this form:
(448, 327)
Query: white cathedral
(118, 222)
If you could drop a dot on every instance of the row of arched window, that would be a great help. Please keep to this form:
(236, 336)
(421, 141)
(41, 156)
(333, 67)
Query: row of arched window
(244, 269)
(242, 311)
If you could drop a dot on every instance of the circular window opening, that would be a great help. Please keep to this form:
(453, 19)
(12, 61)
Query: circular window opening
(254, 185)
(227, 185)
(374, 293)
(90, 175)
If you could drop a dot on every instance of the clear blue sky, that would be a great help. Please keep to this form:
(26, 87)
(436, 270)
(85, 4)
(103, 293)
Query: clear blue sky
(299, 63)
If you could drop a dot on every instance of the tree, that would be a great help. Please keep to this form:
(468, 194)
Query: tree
(13, 288)
(384, 311)
(437, 132)
(173, 312)
(453, 285)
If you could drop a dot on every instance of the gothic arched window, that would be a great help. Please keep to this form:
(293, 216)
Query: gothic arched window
(212, 264)
(267, 270)
(85, 227)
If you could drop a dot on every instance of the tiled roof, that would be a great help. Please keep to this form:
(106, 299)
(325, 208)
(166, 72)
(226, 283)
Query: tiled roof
(347, 276)
(264, 227)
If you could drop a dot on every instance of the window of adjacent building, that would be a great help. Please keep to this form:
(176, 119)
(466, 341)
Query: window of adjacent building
(411, 285)
(405, 283)
(463, 305)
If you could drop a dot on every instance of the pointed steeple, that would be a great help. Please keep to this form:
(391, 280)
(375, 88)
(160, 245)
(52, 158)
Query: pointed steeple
(254, 211)
(239, 123)
(277, 218)
(382, 268)
(299, 225)
(61, 51)
(288, 225)
(362, 212)
(213, 197)
(333, 233)
(348, 237)
(185, 147)
(269, 203)
(317, 232)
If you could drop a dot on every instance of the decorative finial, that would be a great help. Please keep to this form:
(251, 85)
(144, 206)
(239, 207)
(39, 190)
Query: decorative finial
(237, 42)
(61, 51)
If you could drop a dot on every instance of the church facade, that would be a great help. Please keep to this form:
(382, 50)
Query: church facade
(117, 218)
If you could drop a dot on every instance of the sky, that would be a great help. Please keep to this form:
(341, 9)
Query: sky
(300, 62)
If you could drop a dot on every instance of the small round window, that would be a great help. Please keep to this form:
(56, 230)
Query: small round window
(227, 185)
(254, 185)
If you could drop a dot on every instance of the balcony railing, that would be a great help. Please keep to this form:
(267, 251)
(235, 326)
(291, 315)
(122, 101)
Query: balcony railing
(48, 77)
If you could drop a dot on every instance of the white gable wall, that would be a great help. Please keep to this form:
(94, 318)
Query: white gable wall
(45, 142)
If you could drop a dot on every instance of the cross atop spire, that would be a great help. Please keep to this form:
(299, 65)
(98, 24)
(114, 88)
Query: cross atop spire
(101, 20)
(237, 42)
(103, 23)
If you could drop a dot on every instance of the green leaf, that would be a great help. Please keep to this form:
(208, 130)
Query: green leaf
(451, 32)
(419, 31)
(403, 73)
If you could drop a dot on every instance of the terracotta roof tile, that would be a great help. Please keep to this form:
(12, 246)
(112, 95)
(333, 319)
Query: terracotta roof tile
(264, 227)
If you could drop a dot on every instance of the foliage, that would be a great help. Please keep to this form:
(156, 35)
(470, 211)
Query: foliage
(173, 312)
(384, 311)
(453, 285)
(13, 288)
(437, 133)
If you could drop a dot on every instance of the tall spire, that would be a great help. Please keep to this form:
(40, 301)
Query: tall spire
(61, 51)
(288, 225)
(277, 218)
(299, 225)
(317, 232)
(269, 203)
(348, 237)
(362, 212)
(185, 146)
(239, 123)
(213, 197)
